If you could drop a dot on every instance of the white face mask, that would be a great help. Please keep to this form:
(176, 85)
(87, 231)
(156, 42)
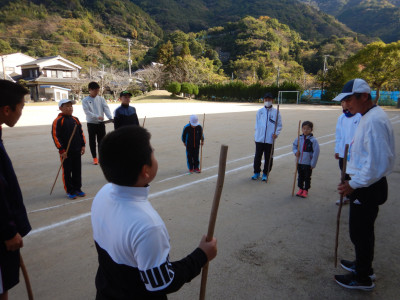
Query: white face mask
(267, 103)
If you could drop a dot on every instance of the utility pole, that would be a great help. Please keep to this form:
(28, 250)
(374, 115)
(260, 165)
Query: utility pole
(324, 73)
(4, 67)
(129, 57)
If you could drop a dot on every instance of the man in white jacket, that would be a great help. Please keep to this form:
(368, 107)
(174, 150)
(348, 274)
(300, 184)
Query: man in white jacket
(266, 121)
(371, 159)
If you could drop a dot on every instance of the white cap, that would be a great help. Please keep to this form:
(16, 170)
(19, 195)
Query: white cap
(63, 101)
(352, 87)
(194, 120)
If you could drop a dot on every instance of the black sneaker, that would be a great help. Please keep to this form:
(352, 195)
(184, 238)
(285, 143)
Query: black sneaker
(351, 267)
(350, 281)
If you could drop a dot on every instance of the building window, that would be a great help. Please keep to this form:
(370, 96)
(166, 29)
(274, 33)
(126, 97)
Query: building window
(53, 73)
(67, 74)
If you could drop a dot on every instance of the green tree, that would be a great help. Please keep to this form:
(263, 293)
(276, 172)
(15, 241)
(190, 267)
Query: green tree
(165, 53)
(174, 87)
(378, 63)
(185, 49)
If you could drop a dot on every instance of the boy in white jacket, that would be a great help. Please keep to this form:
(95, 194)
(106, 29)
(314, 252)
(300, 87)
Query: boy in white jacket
(345, 128)
(266, 121)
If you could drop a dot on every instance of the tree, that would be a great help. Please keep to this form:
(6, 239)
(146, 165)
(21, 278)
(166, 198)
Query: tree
(185, 49)
(174, 87)
(166, 53)
(378, 63)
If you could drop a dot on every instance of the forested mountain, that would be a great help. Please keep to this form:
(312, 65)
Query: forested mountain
(88, 32)
(375, 18)
(195, 15)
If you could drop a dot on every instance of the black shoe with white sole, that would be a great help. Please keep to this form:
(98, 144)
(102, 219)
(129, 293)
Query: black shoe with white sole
(351, 281)
(351, 267)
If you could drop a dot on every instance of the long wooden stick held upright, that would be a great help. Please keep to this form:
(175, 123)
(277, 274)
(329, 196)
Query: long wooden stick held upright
(214, 211)
(297, 159)
(69, 143)
(144, 121)
(26, 278)
(201, 147)
(342, 179)
(273, 142)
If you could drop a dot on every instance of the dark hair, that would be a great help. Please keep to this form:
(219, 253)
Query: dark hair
(308, 123)
(123, 153)
(93, 85)
(11, 94)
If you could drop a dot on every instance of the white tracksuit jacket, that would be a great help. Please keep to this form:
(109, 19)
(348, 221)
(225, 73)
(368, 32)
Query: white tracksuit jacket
(265, 125)
(345, 129)
(372, 151)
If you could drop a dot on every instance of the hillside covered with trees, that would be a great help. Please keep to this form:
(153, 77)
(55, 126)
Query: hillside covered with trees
(196, 15)
(375, 18)
(87, 32)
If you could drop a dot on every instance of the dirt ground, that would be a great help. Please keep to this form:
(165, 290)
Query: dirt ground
(270, 245)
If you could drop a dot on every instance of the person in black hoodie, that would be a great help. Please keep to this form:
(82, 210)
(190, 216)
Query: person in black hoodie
(61, 131)
(125, 114)
(14, 223)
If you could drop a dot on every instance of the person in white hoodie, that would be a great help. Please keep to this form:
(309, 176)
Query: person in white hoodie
(266, 121)
(345, 128)
(371, 158)
(95, 107)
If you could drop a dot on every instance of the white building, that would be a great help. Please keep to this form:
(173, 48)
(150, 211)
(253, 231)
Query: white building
(10, 63)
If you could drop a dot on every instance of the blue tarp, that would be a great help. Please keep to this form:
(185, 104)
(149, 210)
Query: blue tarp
(384, 95)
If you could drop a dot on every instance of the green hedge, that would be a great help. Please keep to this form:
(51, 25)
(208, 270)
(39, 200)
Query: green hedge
(239, 91)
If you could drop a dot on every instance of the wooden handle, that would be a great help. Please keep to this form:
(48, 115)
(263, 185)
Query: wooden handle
(297, 159)
(342, 179)
(273, 142)
(62, 161)
(214, 212)
(26, 277)
(201, 147)
(144, 120)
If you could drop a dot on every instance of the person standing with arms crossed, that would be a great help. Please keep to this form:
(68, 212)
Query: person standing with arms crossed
(95, 107)
(14, 223)
(371, 159)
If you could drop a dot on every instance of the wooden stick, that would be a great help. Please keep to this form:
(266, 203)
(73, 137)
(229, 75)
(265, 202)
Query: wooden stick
(201, 147)
(26, 278)
(342, 179)
(297, 159)
(144, 121)
(69, 143)
(273, 143)
(214, 211)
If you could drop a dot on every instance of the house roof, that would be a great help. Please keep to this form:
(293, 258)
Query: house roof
(49, 80)
(49, 58)
(57, 67)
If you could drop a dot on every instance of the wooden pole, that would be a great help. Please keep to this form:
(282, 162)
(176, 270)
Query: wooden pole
(69, 143)
(342, 179)
(26, 277)
(144, 120)
(273, 142)
(201, 147)
(297, 159)
(214, 212)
